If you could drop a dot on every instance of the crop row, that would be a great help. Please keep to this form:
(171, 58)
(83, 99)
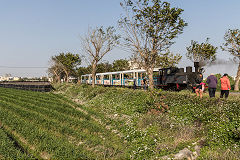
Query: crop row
(68, 105)
(37, 140)
(33, 96)
(57, 107)
(52, 126)
(80, 120)
(121, 125)
(94, 112)
(45, 122)
(9, 149)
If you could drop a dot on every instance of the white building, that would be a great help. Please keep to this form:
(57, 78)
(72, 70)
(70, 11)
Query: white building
(8, 78)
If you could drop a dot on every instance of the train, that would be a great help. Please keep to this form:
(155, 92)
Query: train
(172, 78)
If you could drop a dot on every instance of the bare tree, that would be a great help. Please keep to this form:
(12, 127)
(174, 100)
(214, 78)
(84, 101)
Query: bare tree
(97, 43)
(149, 28)
(232, 45)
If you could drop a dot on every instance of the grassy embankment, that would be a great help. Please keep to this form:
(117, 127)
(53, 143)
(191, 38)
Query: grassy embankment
(215, 123)
(115, 123)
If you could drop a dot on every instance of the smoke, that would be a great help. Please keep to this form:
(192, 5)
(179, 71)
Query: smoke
(223, 62)
(218, 62)
(222, 66)
(202, 63)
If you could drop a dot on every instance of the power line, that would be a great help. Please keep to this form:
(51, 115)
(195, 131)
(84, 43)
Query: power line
(19, 67)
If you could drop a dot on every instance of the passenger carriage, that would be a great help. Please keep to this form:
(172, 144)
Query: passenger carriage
(120, 78)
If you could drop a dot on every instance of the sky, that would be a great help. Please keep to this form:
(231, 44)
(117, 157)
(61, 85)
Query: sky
(33, 31)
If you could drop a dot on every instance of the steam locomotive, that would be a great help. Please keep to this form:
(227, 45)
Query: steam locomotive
(167, 78)
(176, 79)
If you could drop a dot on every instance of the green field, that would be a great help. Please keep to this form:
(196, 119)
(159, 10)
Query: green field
(9, 149)
(48, 126)
(81, 122)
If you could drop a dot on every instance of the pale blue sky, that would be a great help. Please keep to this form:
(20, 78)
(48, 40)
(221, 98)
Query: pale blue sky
(31, 31)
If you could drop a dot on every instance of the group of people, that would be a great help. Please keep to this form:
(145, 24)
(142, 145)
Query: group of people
(212, 86)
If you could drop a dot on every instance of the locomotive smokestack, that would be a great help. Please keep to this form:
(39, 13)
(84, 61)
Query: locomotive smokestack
(196, 65)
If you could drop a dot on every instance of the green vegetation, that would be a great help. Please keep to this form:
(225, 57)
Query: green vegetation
(78, 121)
(148, 135)
(9, 149)
(220, 117)
(48, 127)
(63, 66)
(203, 53)
(151, 133)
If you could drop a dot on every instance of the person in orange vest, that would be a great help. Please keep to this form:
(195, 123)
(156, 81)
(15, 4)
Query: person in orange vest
(225, 86)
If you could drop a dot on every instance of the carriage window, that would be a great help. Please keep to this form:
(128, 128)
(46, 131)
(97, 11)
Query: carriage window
(106, 77)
